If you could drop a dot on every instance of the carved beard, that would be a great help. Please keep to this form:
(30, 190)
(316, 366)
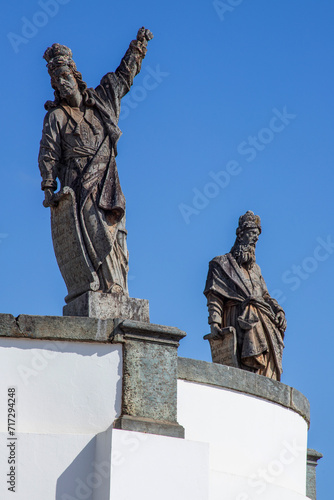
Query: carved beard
(244, 255)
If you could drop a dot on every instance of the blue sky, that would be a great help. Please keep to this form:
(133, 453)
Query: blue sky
(236, 114)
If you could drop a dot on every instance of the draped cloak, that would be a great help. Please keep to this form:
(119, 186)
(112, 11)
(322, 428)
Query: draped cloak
(239, 298)
(79, 147)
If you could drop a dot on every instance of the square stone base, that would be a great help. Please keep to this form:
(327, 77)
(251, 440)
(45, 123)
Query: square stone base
(108, 305)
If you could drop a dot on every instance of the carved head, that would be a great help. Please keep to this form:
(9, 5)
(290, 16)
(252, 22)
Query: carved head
(248, 232)
(249, 221)
(58, 55)
(65, 78)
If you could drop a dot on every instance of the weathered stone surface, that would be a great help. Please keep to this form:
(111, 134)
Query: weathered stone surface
(56, 328)
(238, 298)
(299, 403)
(149, 377)
(108, 305)
(8, 326)
(242, 381)
(69, 247)
(311, 474)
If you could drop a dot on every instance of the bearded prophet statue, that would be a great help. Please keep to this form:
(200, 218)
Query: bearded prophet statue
(241, 308)
(79, 148)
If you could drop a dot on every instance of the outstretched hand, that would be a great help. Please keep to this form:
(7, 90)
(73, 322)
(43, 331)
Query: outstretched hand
(144, 34)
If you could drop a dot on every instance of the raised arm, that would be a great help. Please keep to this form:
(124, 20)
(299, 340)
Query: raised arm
(114, 86)
(131, 62)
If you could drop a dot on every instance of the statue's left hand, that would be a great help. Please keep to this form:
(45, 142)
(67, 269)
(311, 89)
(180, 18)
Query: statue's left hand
(281, 321)
(49, 198)
(144, 34)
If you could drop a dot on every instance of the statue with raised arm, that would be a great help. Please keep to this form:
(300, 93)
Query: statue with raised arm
(247, 324)
(79, 147)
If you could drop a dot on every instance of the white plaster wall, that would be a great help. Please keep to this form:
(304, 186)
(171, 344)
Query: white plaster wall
(68, 395)
(62, 387)
(113, 465)
(49, 466)
(150, 467)
(257, 448)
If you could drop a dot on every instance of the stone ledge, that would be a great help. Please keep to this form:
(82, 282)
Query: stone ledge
(313, 456)
(149, 426)
(149, 332)
(235, 379)
(56, 328)
(80, 329)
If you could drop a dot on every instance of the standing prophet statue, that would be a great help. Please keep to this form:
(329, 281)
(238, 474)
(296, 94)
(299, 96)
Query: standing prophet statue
(79, 147)
(247, 324)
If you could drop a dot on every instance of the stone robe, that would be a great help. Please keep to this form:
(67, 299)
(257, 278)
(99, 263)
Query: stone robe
(78, 147)
(238, 297)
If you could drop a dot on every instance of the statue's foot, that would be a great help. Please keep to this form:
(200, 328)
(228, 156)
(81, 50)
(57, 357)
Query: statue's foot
(115, 288)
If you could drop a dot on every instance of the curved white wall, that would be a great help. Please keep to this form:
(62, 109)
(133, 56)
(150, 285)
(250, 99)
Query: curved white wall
(257, 448)
(237, 446)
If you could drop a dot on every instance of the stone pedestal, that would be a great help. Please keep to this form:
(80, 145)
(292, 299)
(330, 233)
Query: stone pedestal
(149, 378)
(108, 305)
(311, 483)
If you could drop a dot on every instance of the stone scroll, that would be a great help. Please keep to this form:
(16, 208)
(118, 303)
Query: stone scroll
(69, 248)
(224, 347)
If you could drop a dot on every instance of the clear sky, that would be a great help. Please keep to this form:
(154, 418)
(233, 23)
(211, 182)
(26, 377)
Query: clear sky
(232, 111)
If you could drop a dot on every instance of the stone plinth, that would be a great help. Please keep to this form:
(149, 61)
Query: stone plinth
(149, 378)
(108, 305)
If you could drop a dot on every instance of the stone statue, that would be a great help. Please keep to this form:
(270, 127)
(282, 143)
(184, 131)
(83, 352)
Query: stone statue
(79, 146)
(247, 325)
